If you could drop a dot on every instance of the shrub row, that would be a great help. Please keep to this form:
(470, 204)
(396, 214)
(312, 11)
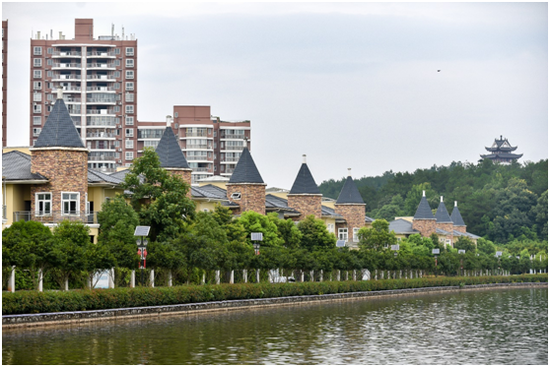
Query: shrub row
(26, 302)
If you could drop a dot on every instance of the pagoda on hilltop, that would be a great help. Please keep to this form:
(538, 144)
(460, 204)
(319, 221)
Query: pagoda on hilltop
(501, 151)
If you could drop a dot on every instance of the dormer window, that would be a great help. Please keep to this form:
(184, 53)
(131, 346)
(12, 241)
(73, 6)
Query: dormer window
(236, 196)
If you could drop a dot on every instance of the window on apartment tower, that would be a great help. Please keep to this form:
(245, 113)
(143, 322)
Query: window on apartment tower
(37, 97)
(129, 156)
(130, 86)
(37, 120)
(37, 74)
(37, 62)
(43, 203)
(129, 144)
(36, 131)
(129, 51)
(69, 203)
(129, 74)
(37, 108)
(129, 132)
(37, 50)
(129, 109)
(129, 97)
(129, 63)
(129, 120)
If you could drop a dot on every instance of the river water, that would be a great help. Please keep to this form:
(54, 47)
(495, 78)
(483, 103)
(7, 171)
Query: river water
(496, 326)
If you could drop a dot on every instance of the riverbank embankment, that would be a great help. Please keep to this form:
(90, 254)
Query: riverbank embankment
(58, 318)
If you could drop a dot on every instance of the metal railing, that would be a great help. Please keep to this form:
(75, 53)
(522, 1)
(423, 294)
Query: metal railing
(99, 53)
(44, 217)
(196, 146)
(101, 65)
(100, 135)
(233, 147)
(232, 136)
(66, 65)
(102, 89)
(67, 53)
(201, 135)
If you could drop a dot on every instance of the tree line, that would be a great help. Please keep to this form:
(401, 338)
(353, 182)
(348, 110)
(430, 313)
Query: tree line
(502, 203)
(192, 246)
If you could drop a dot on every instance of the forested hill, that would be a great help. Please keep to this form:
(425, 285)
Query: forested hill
(499, 202)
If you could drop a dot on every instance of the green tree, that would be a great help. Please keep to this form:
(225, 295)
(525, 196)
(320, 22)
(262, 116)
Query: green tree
(27, 245)
(315, 235)
(464, 243)
(159, 198)
(117, 222)
(71, 250)
(377, 237)
(288, 231)
(254, 222)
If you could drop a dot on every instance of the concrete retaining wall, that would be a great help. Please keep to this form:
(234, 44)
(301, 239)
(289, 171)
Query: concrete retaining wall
(46, 319)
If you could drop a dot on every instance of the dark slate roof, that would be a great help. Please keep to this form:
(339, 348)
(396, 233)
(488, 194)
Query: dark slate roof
(59, 129)
(169, 151)
(456, 217)
(209, 192)
(304, 183)
(327, 211)
(501, 155)
(100, 177)
(16, 166)
(467, 234)
(423, 211)
(442, 215)
(349, 193)
(275, 203)
(442, 232)
(402, 226)
(245, 170)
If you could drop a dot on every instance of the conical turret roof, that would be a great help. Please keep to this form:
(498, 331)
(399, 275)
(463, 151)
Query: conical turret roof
(169, 151)
(59, 129)
(442, 215)
(349, 194)
(245, 170)
(456, 217)
(304, 183)
(423, 211)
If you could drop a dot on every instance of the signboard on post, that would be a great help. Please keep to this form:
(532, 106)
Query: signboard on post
(395, 247)
(142, 231)
(499, 254)
(257, 236)
(461, 251)
(340, 243)
(435, 251)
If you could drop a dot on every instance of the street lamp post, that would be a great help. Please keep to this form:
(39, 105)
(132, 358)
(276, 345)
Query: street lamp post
(142, 232)
(435, 252)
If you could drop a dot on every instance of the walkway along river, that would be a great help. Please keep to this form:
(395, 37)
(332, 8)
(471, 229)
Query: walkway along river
(488, 326)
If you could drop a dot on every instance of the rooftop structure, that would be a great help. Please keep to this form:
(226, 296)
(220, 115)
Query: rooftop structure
(501, 151)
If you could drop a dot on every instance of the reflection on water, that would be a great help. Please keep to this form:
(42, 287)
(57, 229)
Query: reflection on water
(469, 327)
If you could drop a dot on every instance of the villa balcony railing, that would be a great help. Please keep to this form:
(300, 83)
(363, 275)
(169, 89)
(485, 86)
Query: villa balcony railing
(88, 218)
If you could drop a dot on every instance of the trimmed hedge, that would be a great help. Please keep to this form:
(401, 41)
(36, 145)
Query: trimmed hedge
(28, 302)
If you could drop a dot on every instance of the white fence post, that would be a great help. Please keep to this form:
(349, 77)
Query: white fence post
(232, 277)
(111, 273)
(41, 280)
(257, 275)
(11, 282)
(312, 275)
(302, 276)
(133, 279)
(338, 275)
(152, 278)
(170, 277)
(321, 276)
(245, 275)
(217, 277)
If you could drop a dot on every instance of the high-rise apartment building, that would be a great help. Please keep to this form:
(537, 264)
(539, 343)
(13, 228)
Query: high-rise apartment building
(4, 82)
(211, 146)
(99, 81)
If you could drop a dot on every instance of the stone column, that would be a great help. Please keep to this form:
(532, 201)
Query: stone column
(217, 277)
(245, 275)
(133, 279)
(312, 276)
(66, 284)
(338, 275)
(257, 275)
(354, 275)
(347, 275)
(231, 277)
(152, 278)
(321, 276)
(203, 277)
(302, 276)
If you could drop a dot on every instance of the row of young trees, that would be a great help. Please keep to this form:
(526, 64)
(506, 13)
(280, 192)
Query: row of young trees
(499, 202)
(192, 244)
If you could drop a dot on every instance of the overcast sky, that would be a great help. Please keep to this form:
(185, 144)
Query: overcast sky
(350, 85)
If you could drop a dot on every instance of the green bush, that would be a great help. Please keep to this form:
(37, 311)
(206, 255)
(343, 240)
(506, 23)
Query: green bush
(26, 302)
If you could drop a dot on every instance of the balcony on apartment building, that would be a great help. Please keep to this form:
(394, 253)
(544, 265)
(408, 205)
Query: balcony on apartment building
(57, 77)
(97, 111)
(101, 65)
(100, 134)
(99, 53)
(110, 77)
(102, 157)
(66, 65)
(99, 88)
(62, 53)
(101, 98)
(100, 145)
(55, 217)
(102, 121)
